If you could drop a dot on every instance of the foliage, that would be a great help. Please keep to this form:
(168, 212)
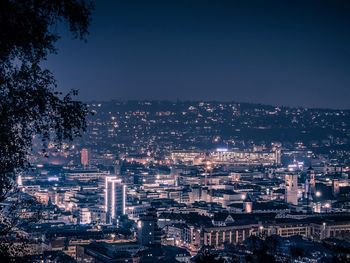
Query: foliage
(18, 212)
(207, 255)
(261, 249)
(296, 251)
(29, 103)
(340, 250)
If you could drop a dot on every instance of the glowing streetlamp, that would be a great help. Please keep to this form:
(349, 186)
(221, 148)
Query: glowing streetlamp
(327, 206)
(261, 231)
(208, 168)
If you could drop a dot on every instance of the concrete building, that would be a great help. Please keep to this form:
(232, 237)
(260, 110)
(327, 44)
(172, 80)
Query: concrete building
(149, 233)
(84, 216)
(115, 198)
(240, 157)
(335, 187)
(84, 157)
(291, 189)
(310, 182)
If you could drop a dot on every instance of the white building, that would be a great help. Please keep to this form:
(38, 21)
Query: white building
(115, 198)
(291, 188)
(240, 157)
(84, 216)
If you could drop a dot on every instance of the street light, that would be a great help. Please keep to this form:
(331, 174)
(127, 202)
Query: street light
(208, 165)
(208, 168)
(327, 206)
(261, 231)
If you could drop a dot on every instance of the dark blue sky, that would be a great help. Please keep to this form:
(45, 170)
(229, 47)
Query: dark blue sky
(274, 52)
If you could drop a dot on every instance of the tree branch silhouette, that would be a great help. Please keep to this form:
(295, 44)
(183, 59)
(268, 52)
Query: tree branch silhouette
(30, 105)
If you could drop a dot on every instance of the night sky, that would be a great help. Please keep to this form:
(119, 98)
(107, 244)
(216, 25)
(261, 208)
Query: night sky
(293, 53)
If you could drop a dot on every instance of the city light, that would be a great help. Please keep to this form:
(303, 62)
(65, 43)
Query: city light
(203, 131)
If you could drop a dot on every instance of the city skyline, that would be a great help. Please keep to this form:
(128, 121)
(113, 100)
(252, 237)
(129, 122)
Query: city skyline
(204, 131)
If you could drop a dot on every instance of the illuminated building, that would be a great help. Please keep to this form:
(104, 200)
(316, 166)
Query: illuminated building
(134, 211)
(195, 193)
(317, 207)
(335, 187)
(310, 181)
(221, 234)
(240, 157)
(85, 175)
(117, 167)
(248, 207)
(296, 166)
(84, 157)
(42, 197)
(277, 148)
(84, 216)
(187, 156)
(19, 180)
(149, 234)
(115, 198)
(291, 189)
(138, 158)
(217, 236)
(236, 177)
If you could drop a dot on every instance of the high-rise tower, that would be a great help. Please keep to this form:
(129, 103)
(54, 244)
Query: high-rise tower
(310, 181)
(115, 198)
(291, 189)
(84, 157)
(117, 167)
(149, 233)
